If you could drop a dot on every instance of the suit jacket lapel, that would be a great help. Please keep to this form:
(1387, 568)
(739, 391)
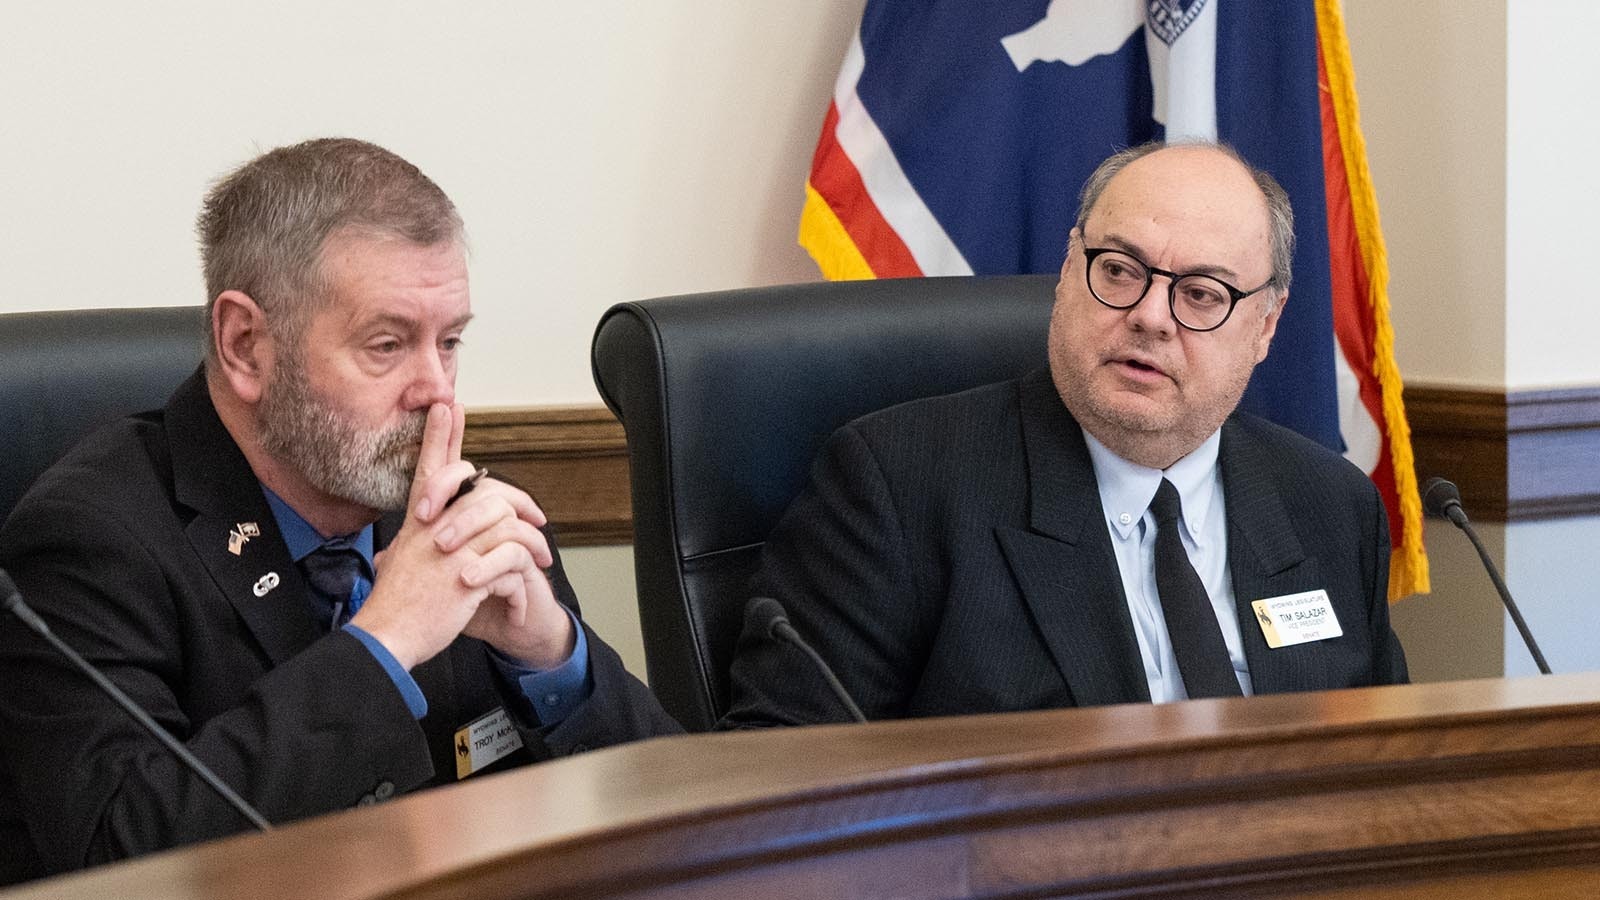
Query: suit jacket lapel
(1265, 558)
(1063, 562)
(212, 478)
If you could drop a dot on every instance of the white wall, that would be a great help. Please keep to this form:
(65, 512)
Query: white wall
(1554, 574)
(1552, 185)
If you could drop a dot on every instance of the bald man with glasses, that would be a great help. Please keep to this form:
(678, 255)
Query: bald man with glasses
(1108, 530)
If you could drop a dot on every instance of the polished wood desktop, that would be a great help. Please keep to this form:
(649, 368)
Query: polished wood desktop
(1470, 789)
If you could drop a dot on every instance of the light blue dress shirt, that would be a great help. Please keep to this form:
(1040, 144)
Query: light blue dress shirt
(552, 694)
(1126, 490)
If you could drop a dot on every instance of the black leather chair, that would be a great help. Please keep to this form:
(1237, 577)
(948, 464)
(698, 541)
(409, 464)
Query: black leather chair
(64, 373)
(726, 398)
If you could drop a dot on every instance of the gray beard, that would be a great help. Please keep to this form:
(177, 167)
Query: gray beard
(311, 434)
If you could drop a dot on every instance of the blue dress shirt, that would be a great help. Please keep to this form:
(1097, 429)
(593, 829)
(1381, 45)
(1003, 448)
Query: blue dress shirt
(552, 694)
(1126, 490)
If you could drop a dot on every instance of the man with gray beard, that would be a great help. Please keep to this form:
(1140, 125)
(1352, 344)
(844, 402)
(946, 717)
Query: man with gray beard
(285, 565)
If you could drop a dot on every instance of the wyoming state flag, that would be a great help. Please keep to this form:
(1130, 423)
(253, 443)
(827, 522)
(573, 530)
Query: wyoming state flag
(961, 130)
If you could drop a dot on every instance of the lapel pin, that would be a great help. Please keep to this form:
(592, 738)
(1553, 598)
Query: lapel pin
(265, 583)
(241, 535)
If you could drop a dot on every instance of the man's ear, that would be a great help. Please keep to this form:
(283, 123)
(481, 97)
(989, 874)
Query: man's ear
(1073, 235)
(242, 343)
(1269, 327)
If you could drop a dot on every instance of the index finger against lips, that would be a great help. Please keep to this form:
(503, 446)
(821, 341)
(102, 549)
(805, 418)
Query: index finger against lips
(458, 428)
(433, 455)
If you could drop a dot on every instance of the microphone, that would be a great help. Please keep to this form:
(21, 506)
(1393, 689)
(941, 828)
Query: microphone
(770, 611)
(1440, 499)
(12, 602)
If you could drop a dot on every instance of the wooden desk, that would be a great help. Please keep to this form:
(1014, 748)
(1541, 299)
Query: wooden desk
(1472, 789)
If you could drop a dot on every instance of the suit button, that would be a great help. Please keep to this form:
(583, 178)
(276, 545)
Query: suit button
(366, 800)
(384, 790)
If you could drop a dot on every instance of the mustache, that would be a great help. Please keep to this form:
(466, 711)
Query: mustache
(404, 437)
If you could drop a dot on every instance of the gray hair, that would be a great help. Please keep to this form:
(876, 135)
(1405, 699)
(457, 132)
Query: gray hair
(264, 226)
(1280, 213)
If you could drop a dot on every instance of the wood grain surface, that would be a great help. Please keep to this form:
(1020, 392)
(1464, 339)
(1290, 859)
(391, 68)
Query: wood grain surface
(1470, 789)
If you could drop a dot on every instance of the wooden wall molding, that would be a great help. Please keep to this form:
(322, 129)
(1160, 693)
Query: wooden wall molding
(1460, 434)
(1517, 456)
(572, 459)
(1552, 450)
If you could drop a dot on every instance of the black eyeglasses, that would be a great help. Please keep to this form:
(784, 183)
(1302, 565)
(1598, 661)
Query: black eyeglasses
(1198, 302)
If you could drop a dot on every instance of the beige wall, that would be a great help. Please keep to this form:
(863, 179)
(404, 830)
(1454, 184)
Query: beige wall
(600, 151)
(1432, 84)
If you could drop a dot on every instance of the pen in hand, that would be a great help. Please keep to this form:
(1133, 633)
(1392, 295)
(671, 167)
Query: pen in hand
(467, 484)
(470, 482)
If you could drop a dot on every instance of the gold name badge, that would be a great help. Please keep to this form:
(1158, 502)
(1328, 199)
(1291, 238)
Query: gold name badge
(1297, 618)
(485, 741)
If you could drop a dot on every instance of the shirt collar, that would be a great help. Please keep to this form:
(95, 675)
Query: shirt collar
(301, 538)
(1127, 488)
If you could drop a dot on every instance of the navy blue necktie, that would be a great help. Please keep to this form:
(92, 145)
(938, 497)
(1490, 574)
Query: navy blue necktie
(331, 570)
(1197, 642)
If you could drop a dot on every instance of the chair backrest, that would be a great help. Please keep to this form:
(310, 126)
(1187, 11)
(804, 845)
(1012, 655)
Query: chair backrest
(62, 374)
(726, 398)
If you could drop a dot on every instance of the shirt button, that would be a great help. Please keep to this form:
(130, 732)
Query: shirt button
(552, 699)
(1125, 519)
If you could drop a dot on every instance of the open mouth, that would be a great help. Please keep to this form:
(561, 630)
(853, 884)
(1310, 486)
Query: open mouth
(1140, 367)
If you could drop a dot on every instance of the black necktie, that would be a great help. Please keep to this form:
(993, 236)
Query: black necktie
(331, 570)
(1191, 622)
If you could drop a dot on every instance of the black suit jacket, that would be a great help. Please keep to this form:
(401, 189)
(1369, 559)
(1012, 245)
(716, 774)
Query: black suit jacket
(951, 556)
(123, 547)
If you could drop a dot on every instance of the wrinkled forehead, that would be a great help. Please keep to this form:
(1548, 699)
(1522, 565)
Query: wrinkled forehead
(1188, 206)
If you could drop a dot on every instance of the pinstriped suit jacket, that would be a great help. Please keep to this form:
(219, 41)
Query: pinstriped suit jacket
(950, 556)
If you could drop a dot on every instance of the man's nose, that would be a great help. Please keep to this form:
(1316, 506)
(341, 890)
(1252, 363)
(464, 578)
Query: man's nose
(1153, 312)
(433, 380)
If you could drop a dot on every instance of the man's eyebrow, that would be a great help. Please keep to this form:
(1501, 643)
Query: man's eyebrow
(1121, 243)
(1220, 272)
(406, 323)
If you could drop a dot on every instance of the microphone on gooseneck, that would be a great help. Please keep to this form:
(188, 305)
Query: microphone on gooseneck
(11, 600)
(1441, 500)
(776, 625)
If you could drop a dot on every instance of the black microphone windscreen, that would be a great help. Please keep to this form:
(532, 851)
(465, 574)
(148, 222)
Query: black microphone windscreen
(766, 611)
(1437, 495)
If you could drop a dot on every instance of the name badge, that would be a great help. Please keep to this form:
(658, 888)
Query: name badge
(1297, 619)
(485, 741)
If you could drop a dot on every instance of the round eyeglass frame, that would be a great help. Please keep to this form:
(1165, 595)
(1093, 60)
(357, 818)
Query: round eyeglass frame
(1150, 272)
